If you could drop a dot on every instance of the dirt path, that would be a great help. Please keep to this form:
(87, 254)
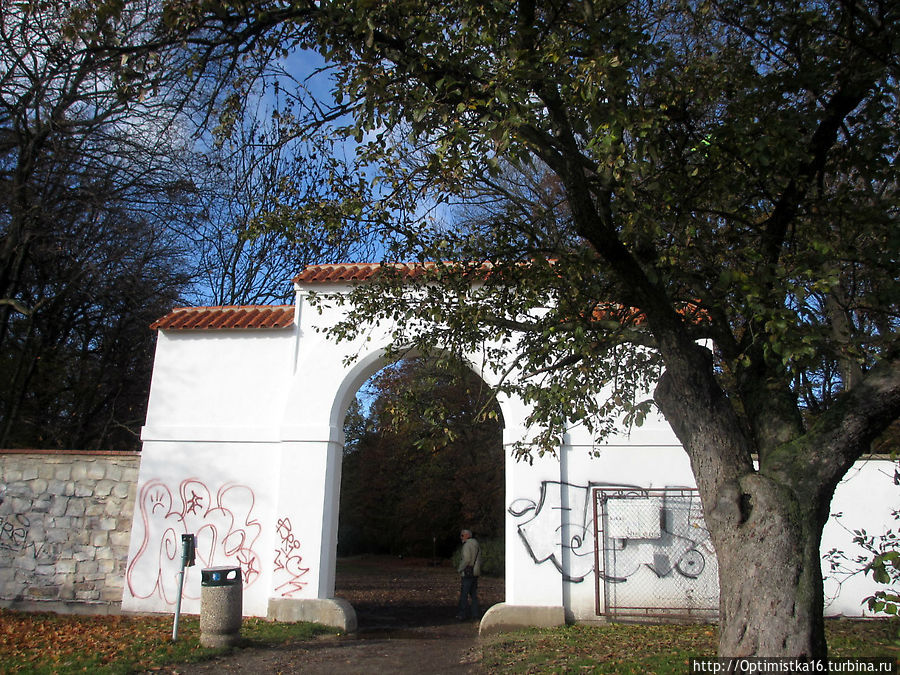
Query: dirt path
(406, 619)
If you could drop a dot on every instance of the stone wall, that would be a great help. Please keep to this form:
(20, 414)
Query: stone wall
(65, 522)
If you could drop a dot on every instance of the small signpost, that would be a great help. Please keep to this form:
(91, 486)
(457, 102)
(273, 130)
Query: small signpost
(188, 547)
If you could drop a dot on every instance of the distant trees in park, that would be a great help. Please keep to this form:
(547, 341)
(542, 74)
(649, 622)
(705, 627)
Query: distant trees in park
(91, 177)
(423, 459)
(117, 202)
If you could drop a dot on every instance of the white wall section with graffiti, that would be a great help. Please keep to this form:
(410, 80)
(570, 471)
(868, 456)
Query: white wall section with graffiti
(243, 446)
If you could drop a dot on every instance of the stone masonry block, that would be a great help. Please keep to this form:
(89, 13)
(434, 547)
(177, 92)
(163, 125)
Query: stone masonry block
(111, 592)
(45, 570)
(57, 535)
(20, 504)
(121, 490)
(25, 562)
(62, 521)
(87, 568)
(16, 489)
(106, 553)
(12, 474)
(58, 506)
(120, 539)
(103, 487)
(41, 505)
(96, 470)
(43, 592)
(37, 531)
(108, 523)
(65, 566)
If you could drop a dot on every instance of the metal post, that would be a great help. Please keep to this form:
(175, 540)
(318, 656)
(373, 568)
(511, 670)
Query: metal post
(188, 545)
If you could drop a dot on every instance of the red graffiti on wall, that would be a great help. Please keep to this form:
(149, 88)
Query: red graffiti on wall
(287, 560)
(223, 522)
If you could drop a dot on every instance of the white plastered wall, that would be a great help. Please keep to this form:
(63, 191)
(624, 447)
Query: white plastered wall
(210, 464)
(243, 444)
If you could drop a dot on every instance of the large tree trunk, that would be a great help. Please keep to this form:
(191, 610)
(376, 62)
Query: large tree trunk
(766, 522)
(765, 532)
(770, 578)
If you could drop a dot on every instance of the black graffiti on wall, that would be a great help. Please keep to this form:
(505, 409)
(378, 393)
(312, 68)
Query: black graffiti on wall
(14, 529)
(13, 532)
(557, 527)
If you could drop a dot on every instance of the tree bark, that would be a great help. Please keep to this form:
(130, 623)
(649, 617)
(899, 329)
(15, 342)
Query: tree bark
(765, 534)
(770, 578)
(766, 522)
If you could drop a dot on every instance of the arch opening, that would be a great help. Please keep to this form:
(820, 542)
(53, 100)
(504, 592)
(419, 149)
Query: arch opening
(422, 458)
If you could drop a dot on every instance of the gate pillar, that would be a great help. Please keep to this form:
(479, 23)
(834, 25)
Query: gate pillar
(534, 593)
(306, 530)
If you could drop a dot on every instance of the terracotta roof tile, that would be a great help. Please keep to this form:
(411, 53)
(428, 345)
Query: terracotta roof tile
(323, 274)
(210, 318)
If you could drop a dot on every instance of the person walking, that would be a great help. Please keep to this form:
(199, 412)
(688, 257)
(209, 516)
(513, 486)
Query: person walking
(469, 570)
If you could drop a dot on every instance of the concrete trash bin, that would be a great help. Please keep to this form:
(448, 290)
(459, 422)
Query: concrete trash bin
(221, 606)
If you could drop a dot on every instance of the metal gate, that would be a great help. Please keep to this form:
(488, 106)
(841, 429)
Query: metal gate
(653, 555)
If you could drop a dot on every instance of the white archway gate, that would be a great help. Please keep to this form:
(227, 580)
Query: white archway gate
(243, 442)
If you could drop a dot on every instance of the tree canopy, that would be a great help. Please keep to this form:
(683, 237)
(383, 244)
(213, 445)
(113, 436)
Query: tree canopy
(116, 203)
(90, 173)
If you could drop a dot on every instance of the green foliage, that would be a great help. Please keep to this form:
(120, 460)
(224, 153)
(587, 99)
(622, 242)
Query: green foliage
(884, 565)
(637, 177)
(700, 194)
(92, 175)
(723, 162)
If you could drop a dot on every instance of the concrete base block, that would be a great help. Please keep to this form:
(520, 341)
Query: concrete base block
(503, 618)
(62, 606)
(334, 612)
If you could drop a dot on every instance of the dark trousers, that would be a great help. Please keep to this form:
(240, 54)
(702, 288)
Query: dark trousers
(468, 588)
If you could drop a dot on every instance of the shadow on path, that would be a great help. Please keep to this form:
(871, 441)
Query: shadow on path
(405, 610)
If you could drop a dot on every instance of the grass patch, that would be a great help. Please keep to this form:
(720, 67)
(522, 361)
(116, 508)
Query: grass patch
(633, 649)
(56, 643)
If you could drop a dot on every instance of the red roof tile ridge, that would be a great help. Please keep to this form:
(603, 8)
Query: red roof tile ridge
(227, 307)
(343, 272)
(227, 316)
